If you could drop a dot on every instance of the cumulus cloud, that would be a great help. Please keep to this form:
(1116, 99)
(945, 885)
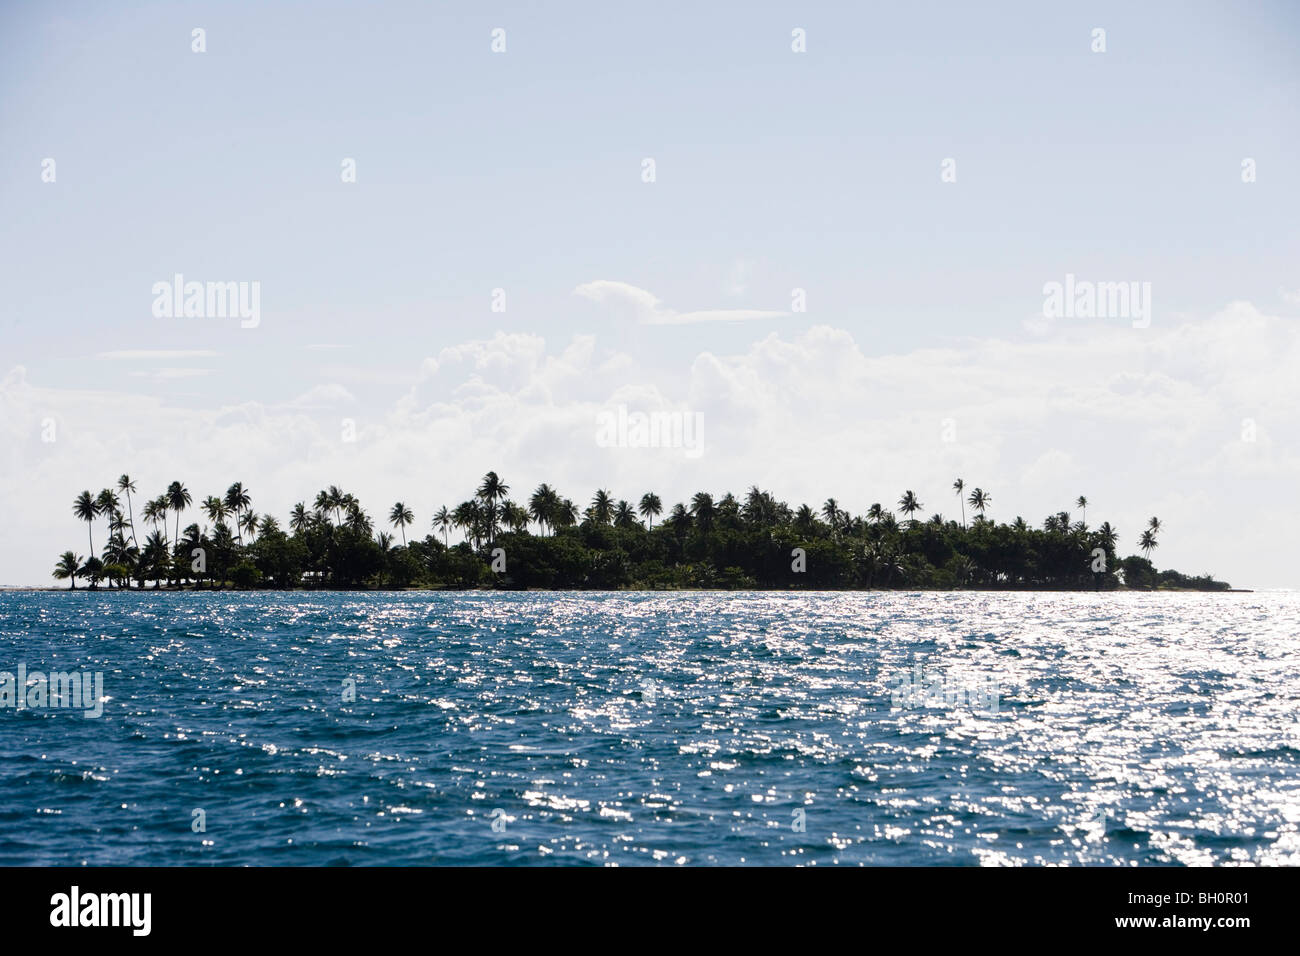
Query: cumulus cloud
(1141, 421)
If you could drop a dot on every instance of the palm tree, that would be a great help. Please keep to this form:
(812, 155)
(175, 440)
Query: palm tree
(237, 500)
(248, 523)
(1082, 504)
(466, 519)
(602, 506)
(1154, 525)
(566, 514)
(401, 516)
(831, 511)
(650, 507)
(108, 503)
(1147, 542)
(624, 515)
(680, 522)
(178, 499)
(909, 505)
(979, 500)
(703, 509)
(215, 509)
(442, 521)
(514, 516)
(155, 512)
(322, 505)
(69, 566)
(334, 499)
(492, 491)
(118, 525)
(959, 486)
(1107, 535)
(155, 556)
(86, 508)
(542, 506)
(126, 485)
(299, 520)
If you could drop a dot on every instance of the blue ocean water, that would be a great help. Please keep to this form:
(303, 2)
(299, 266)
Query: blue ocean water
(680, 728)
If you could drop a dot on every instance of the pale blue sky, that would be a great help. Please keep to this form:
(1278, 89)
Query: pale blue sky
(522, 170)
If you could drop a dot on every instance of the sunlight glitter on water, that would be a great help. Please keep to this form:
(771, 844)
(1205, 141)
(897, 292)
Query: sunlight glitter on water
(678, 728)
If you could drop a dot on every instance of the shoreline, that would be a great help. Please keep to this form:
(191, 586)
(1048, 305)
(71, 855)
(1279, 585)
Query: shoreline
(22, 589)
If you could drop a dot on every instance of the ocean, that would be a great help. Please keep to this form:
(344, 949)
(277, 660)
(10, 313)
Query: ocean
(652, 728)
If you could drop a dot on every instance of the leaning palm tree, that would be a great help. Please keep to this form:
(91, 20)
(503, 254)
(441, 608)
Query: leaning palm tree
(86, 508)
(69, 567)
(959, 486)
(442, 521)
(126, 485)
(1082, 504)
(1147, 543)
(979, 500)
(401, 516)
(909, 505)
(178, 499)
(650, 507)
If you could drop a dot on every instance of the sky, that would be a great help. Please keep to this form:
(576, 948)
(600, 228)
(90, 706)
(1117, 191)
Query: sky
(840, 262)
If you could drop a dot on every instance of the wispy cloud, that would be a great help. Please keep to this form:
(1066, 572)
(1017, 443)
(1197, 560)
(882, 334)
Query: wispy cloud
(649, 310)
(322, 397)
(147, 355)
(166, 374)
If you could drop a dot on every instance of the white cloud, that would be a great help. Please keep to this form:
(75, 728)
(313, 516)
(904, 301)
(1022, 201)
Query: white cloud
(647, 309)
(323, 397)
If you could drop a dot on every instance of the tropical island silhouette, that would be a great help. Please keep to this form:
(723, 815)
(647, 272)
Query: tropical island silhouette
(757, 542)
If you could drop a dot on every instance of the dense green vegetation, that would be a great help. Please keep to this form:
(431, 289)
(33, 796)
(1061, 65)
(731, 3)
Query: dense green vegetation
(754, 542)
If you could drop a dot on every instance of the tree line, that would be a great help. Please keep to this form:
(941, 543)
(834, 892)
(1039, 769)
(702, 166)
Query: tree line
(756, 541)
